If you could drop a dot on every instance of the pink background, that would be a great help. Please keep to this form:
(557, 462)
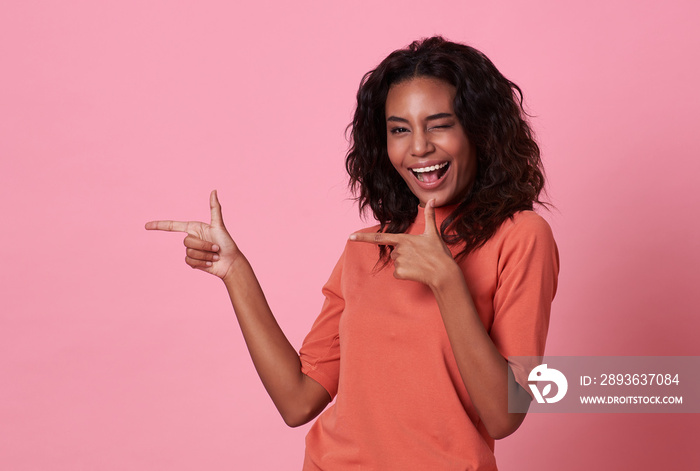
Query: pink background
(115, 355)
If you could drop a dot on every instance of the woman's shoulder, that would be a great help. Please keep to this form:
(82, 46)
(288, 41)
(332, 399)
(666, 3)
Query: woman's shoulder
(527, 221)
(370, 229)
(524, 226)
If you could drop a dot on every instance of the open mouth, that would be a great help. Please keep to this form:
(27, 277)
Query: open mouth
(431, 174)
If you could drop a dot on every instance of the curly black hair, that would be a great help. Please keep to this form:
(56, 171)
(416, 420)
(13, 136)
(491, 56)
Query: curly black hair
(489, 107)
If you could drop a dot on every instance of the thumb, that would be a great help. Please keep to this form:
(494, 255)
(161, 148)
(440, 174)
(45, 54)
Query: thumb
(216, 217)
(430, 224)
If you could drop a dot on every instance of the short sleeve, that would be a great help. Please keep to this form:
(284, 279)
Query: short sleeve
(528, 268)
(320, 352)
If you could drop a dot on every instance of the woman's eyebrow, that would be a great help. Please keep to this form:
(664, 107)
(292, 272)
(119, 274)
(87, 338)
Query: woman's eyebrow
(429, 118)
(439, 116)
(397, 119)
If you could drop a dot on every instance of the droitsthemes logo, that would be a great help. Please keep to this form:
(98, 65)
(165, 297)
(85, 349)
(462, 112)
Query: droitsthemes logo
(542, 374)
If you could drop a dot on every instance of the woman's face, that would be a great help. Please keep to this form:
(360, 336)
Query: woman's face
(426, 142)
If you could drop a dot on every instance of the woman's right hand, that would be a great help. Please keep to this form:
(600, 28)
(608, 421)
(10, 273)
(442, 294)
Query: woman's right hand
(210, 248)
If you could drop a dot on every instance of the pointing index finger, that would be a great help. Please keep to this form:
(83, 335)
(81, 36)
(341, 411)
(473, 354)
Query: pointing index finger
(377, 238)
(170, 226)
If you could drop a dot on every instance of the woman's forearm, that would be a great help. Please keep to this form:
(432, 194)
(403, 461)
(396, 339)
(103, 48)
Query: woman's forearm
(297, 397)
(483, 369)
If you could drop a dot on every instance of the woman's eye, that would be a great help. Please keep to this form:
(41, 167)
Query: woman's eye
(442, 126)
(398, 130)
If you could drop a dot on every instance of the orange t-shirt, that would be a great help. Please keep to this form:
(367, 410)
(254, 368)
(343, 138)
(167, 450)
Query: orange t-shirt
(380, 348)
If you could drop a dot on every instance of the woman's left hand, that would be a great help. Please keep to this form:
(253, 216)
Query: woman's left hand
(422, 257)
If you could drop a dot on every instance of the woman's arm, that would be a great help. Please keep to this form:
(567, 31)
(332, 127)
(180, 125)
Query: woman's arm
(297, 397)
(484, 371)
(210, 248)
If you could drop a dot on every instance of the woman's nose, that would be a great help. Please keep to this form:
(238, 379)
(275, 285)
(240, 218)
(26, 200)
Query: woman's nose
(421, 145)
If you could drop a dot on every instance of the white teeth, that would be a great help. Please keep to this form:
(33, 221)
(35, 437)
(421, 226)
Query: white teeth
(429, 169)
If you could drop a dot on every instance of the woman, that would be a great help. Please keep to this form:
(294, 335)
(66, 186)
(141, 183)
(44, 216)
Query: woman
(422, 310)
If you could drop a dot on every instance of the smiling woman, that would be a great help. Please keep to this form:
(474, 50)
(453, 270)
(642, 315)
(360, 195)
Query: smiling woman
(426, 142)
(422, 310)
(509, 176)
